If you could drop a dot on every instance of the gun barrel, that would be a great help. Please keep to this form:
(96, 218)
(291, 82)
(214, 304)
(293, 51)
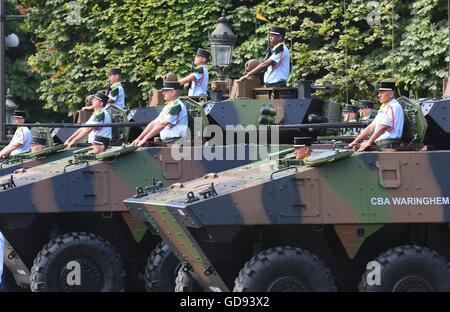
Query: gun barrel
(334, 125)
(75, 125)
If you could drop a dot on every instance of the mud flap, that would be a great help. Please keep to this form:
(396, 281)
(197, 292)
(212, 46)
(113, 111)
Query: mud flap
(17, 267)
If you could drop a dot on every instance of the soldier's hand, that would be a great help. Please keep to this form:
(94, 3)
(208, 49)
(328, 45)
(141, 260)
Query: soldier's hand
(68, 144)
(135, 142)
(364, 146)
(141, 142)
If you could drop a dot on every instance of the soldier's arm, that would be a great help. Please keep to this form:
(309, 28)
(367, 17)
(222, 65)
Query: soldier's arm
(9, 149)
(261, 67)
(144, 133)
(187, 79)
(373, 137)
(80, 133)
(113, 95)
(87, 107)
(72, 136)
(161, 124)
(363, 135)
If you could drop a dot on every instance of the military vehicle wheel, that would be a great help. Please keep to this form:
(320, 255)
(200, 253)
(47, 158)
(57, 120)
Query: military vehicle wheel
(409, 269)
(161, 269)
(185, 283)
(78, 262)
(284, 269)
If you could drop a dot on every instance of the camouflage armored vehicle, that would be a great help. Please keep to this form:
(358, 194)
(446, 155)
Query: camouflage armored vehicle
(67, 215)
(71, 210)
(338, 220)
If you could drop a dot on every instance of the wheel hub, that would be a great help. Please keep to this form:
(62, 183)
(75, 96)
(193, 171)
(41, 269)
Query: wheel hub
(413, 283)
(288, 284)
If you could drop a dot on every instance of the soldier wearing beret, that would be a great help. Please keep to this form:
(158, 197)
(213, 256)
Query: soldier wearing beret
(99, 136)
(21, 141)
(199, 77)
(171, 123)
(387, 126)
(277, 62)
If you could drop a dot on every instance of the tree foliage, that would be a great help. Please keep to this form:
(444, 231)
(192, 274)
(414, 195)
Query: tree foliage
(349, 43)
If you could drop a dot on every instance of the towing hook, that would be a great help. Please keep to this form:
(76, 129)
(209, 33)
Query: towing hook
(185, 267)
(12, 255)
(208, 271)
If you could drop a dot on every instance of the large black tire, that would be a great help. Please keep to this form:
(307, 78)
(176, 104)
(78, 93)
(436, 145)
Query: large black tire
(161, 269)
(100, 265)
(185, 283)
(284, 269)
(409, 269)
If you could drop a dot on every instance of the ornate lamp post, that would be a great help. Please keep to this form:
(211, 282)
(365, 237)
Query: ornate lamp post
(222, 41)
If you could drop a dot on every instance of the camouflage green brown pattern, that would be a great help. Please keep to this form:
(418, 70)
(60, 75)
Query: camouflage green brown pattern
(370, 189)
(96, 185)
(29, 160)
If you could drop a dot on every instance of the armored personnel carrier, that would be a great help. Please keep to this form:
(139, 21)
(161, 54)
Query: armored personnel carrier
(64, 222)
(338, 220)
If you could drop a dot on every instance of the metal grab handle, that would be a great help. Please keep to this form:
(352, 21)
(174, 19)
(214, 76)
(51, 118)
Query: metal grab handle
(285, 169)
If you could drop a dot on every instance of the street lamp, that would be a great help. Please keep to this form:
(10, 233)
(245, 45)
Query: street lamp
(222, 41)
(12, 41)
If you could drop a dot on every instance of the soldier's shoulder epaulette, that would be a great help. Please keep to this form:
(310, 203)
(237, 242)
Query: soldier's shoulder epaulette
(99, 116)
(175, 109)
(198, 70)
(278, 49)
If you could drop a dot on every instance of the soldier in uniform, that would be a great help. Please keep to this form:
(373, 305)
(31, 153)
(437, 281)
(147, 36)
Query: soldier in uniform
(21, 141)
(302, 148)
(115, 91)
(172, 122)
(99, 136)
(387, 128)
(199, 78)
(277, 61)
(366, 111)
